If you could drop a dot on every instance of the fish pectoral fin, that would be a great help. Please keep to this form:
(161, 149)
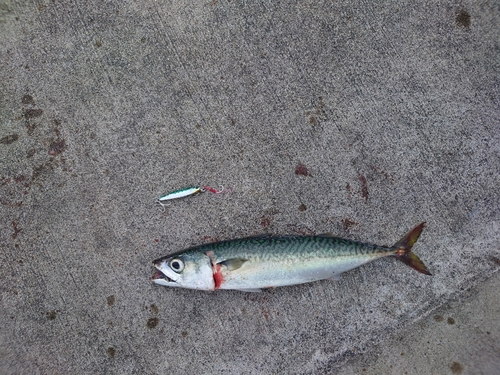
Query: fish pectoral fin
(250, 290)
(233, 264)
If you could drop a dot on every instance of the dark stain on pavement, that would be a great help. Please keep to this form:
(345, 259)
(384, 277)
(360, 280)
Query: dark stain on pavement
(27, 100)
(348, 224)
(301, 170)
(16, 229)
(32, 113)
(302, 207)
(495, 260)
(111, 351)
(57, 147)
(364, 187)
(110, 300)
(154, 308)
(8, 139)
(456, 368)
(51, 315)
(152, 323)
(463, 19)
(450, 321)
(265, 221)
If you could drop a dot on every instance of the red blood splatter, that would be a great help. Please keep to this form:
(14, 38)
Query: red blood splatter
(210, 239)
(157, 240)
(364, 187)
(265, 221)
(301, 170)
(16, 229)
(348, 224)
(57, 147)
(218, 276)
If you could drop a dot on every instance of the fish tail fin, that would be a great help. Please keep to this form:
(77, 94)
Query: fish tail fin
(404, 253)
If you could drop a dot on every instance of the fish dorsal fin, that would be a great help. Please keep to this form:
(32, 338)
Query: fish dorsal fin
(233, 264)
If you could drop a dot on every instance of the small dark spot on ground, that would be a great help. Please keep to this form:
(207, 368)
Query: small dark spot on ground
(313, 120)
(210, 239)
(402, 353)
(184, 333)
(110, 300)
(51, 315)
(348, 187)
(456, 368)
(438, 318)
(16, 229)
(30, 153)
(265, 221)
(27, 99)
(300, 229)
(301, 170)
(463, 19)
(198, 126)
(495, 260)
(98, 43)
(31, 113)
(8, 139)
(152, 323)
(348, 224)
(302, 207)
(57, 147)
(154, 308)
(364, 186)
(450, 320)
(111, 351)
(143, 40)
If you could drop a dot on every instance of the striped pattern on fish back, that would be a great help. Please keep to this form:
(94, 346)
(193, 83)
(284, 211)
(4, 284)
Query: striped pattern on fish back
(270, 248)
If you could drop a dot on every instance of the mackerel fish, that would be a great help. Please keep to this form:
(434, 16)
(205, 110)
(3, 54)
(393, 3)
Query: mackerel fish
(252, 263)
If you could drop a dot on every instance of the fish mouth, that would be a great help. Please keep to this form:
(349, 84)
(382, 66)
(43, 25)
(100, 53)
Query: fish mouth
(161, 276)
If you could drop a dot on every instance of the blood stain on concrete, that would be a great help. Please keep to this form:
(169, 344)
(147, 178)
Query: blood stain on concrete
(8, 139)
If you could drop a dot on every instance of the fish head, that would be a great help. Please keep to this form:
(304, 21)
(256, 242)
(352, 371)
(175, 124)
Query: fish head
(191, 270)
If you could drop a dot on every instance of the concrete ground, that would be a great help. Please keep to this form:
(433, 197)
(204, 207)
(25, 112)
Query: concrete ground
(357, 118)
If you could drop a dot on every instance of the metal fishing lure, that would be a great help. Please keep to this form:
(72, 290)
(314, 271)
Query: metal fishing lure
(181, 193)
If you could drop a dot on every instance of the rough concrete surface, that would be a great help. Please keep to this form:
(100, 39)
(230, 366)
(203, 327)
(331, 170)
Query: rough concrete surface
(356, 118)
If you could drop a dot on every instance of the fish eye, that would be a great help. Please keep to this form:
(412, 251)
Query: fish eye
(177, 265)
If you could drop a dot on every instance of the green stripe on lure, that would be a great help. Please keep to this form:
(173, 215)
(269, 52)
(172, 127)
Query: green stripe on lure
(181, 193)
(249, 264)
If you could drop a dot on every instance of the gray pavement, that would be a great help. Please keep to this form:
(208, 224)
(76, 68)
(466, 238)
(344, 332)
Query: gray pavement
(359, 119)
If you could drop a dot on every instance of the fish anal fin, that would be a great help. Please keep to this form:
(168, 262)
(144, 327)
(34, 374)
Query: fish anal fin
(232, 264)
